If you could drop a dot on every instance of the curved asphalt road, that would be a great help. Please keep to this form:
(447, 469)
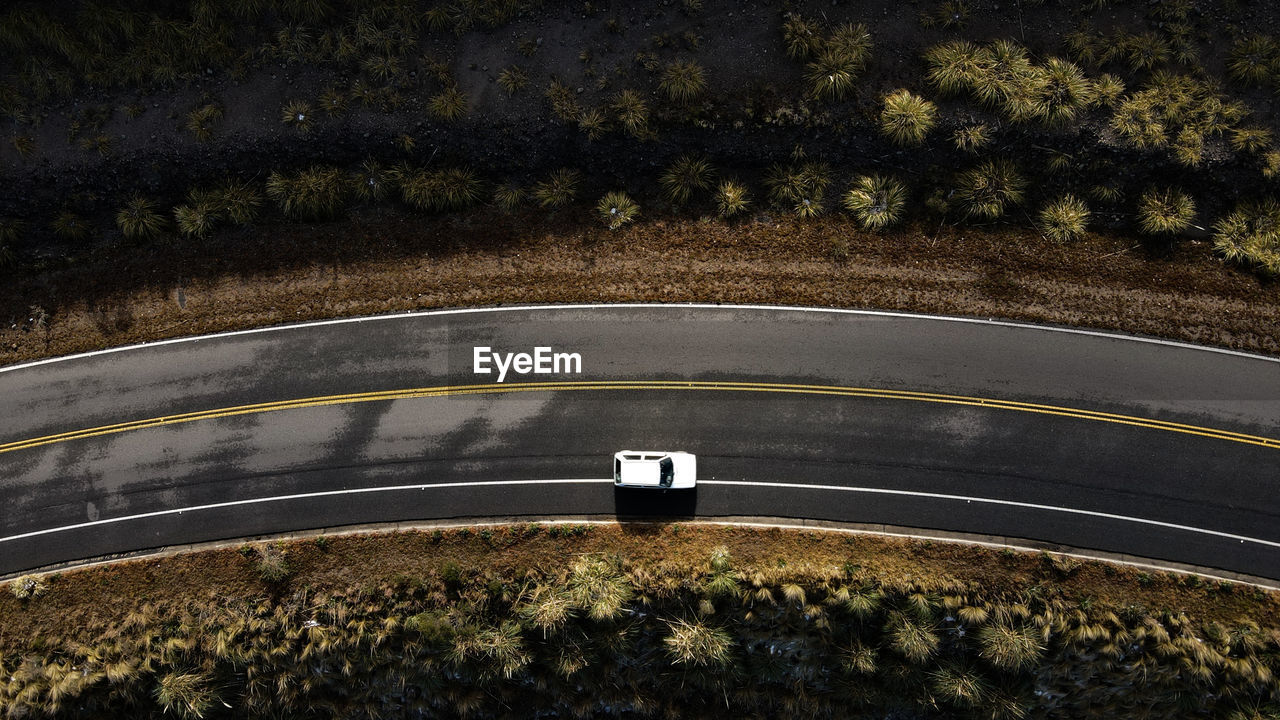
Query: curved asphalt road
(1089, 440)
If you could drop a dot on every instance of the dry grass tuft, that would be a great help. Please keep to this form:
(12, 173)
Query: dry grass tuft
(1165, 211)
(988, 190)
(617, 209)
(877, 201)
(1064, 219)
(559, 189)
(683, 81)
(297, 115)
(907, 118)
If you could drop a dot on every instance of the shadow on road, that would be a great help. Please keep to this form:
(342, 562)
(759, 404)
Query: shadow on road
(650, 507)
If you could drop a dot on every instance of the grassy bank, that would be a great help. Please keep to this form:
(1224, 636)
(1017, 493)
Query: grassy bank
(388, 262)
(1110, 164)
(657, 621)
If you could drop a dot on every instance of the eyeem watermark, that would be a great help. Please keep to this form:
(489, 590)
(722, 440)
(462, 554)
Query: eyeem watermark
(542, 362)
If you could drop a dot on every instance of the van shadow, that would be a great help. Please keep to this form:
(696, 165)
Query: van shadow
(649, 507)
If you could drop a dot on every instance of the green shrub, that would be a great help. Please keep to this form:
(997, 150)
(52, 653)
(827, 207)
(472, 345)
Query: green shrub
(907, 118)
(1064, 219)
(1165, 211)
(683, 81)
(559, 189)
(297, 114)
(1250, 235)
(315, 193)
(688, 174)
(876, 201)
(986, 191)
(139, 219)
(617, 209)
(731, 198)
(448, 104)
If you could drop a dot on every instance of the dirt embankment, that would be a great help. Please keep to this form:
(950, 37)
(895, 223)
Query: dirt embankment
(385, 261)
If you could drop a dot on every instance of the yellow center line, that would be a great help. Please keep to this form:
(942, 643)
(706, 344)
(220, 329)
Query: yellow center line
(563, 386)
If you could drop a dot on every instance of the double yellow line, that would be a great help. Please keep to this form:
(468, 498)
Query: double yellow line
(565, 386)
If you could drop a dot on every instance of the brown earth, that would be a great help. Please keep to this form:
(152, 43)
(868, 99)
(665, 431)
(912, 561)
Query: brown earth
(383, 261)
(107, 594)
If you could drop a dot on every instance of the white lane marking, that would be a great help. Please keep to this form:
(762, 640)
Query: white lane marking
(281, 498)
(675, 306)
(994, 501)
(747, 483)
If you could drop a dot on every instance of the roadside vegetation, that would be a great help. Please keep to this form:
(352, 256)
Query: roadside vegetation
(184, 130)
(648, 621)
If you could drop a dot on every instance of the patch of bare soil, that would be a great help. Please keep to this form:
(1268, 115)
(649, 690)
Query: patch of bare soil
(386, 261)
(107, 594)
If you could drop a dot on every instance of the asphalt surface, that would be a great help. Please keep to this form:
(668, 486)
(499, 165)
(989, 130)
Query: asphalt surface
(1099, 482)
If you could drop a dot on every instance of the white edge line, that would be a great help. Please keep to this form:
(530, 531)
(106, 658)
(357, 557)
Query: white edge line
(676, 306)
(994, 501)
(281, 498)
(747, 483)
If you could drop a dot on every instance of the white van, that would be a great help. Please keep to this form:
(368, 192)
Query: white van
(655, 469)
